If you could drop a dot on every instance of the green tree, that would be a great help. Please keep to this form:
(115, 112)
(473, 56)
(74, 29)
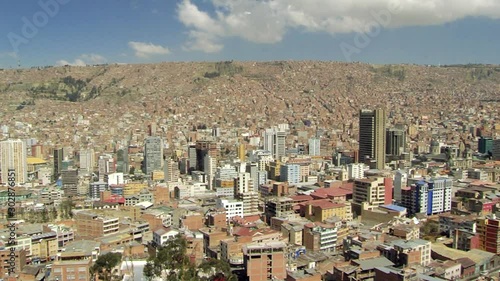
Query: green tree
(104, 266)
(45, 215)
(215, 268)
(172, 260)
(66, 208)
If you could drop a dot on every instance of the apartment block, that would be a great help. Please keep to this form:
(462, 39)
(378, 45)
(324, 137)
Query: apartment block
(71, 270)
(265, 261)
(92, 225)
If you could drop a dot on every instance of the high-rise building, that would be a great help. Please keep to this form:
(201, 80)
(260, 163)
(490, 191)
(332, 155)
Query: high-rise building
(265, 261)
(153, 155)
(58, 158)
(13, 156)
(496, 150)
(210, 167)
(253, 169)
(106, 165)
(370, 193)
(69, 182)
(122, 161)
(204, 148)
(191, 158)
(290, 173)
(314, 147)
(372, 136)
(400, 182)
(275, 142)
(242, 183)
(396, 142)
(87, 159)
(37, 151)
(489, 234)
(428, 196)
(242, 153)
(485, 145)
(356, 171)
(171, 170)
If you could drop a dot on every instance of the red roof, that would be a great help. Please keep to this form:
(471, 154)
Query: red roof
(332, 192)
(115, 199)
(325, 204)
(301, 198)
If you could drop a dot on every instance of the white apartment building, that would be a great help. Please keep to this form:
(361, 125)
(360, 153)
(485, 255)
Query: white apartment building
(356, 171)
(233, 207)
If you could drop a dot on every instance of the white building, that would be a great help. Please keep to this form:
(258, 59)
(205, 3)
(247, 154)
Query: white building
(161, 235)
(356, 171)
(242, 183)
(13, 156)
(428, 196)
(314, 147)
(233, 207)
(115, 178)
(400, 182)
(290, 173)
(275, 141)
(210, 168)
(87, 160)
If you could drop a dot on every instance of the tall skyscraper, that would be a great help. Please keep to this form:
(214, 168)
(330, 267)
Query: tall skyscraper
(153, 155)
(275, 142)
(58, 158)
(87, 160)
(210, 167)
(13, 156)
(400, 183)
(485, 145)
(204, 148)
(192, 157)
(496, 150)
(372, 136)
(396, 142)
(171, 170)
(122, 161)
(314, 147)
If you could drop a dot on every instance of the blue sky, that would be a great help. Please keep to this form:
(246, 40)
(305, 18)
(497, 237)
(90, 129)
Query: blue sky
(83, 32)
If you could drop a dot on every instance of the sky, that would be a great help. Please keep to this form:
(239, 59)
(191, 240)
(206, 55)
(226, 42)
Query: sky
(86, 32)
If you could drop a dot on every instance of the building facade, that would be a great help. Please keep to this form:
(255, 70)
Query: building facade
(372, 136)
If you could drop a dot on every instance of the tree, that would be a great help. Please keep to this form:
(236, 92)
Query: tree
(104, 266)
(172, 260)
(216, 270)
(66, 208)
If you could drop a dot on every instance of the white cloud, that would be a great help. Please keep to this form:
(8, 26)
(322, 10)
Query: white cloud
(83, 60)
(93, 58)
(9, 54)
(267, 21)
(146, 50)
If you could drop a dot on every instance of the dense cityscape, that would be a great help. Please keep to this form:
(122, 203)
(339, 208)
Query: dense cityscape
(190, 187)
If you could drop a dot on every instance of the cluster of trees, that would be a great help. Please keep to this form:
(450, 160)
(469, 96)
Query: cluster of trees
(173, 264)
(47, 214)
(105, 267)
